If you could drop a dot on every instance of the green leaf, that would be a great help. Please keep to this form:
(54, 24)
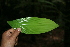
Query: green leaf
(33, 25)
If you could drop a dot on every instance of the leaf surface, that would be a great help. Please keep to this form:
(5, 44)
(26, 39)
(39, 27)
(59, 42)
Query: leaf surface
(33, 25)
